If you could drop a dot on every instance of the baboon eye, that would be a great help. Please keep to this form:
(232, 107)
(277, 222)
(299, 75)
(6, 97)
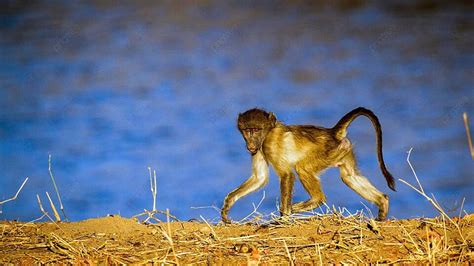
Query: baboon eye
(252, 130)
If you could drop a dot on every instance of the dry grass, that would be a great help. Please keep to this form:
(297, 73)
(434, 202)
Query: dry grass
(328, 238)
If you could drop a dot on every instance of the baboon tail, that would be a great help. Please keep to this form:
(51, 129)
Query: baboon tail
(340, 130)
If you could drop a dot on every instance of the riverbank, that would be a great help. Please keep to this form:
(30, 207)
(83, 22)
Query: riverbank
(322, 239)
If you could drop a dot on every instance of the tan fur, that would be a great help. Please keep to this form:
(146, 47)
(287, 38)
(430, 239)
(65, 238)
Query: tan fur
(306, 150)
(258, 179)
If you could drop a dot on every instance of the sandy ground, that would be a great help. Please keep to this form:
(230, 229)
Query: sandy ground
(317, 240)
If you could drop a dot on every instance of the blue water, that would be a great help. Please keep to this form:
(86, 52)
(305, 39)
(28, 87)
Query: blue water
(110, 90)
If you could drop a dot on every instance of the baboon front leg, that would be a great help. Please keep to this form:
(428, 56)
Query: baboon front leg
(287, 180)
(258, 179)
(250, 185)
(312, 185)
(361, 185)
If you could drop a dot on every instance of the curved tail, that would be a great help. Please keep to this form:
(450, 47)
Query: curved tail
(340, 130)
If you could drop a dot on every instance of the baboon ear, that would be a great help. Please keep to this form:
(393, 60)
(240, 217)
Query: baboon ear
(272, 118)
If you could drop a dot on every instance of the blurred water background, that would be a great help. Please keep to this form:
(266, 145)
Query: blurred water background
(109, 89)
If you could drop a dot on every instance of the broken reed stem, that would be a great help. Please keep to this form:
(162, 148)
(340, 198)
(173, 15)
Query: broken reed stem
(369, 212)
(462, 207)
(288, 253)
(413, 170)
(154, 193)
(428, 245)
(37, 219)
(56, 188)
(412, 241)
(255, 208)
(210, 227)
(42, 209)
(319, 254)
(445, 234)
(56, 214)
(153, 187)
(206, 207)
(170, 239)
(432, 200)
(16, 195)
(468, 133)
(151, 214)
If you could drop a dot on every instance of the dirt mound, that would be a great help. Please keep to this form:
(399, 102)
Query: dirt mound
(324, 239)
(105, 225)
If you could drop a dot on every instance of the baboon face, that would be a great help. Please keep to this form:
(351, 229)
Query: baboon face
(254, 126)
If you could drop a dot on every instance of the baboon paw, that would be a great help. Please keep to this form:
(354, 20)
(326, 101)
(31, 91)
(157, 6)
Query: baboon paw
(226, 220)
(297, 206)
(381, 218)
(305, 206)
(285, 213)
(224, 216)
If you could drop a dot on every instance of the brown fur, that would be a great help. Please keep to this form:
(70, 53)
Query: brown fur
(307, 150)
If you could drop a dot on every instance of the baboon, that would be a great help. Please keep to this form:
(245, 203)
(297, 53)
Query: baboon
(306, 150)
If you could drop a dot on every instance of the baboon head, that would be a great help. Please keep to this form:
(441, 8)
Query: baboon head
(254, 125)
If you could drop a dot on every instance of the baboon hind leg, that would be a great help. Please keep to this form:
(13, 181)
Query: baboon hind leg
(352, 177)
(287, 180)
(312, 185)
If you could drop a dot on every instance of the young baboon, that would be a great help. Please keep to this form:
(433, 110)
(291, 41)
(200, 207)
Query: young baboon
(306, 150)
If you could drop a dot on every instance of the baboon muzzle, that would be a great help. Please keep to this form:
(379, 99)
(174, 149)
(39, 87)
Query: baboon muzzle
(252, 148)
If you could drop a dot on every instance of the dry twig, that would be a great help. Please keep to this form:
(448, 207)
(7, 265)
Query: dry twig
(56, 189)
(468, 133)
(16, 195)
(56, 214)
(151, 214)
(45, 213)
(431, 199)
